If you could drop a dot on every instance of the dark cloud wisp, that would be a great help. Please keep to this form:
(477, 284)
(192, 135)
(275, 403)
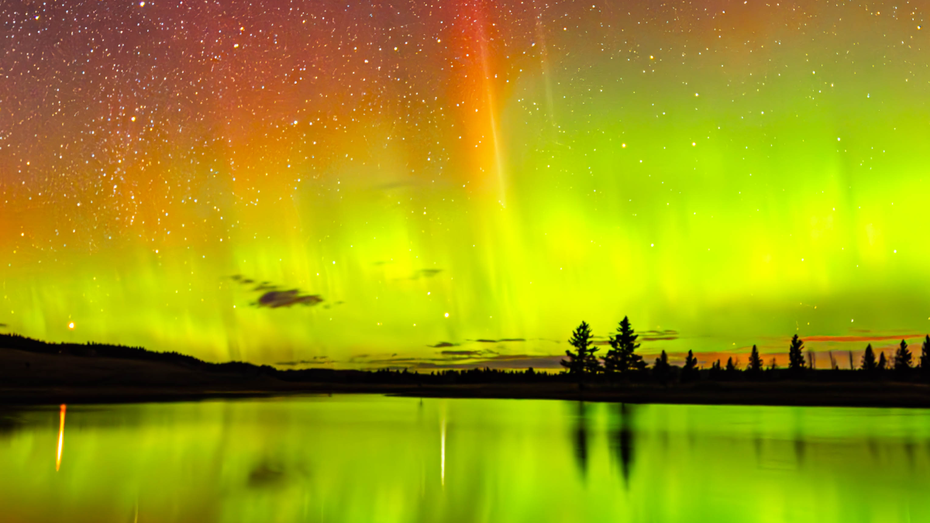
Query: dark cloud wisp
(277, 299)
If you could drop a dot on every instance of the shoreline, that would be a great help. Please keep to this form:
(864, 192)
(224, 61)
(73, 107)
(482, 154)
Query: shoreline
(54, 375)
(788, 393)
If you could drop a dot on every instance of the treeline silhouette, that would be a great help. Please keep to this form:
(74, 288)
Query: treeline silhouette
(621, 362)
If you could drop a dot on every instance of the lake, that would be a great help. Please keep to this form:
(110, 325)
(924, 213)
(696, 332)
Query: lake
(361, 458)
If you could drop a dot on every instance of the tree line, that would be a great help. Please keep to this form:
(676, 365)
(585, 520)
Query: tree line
(621, 360)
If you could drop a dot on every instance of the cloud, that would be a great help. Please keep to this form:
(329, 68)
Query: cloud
(442, 344)
(861, 338)
(500, 361)
(393, 360)
(462, 352)
(502, 340)
(273, 298)
(315, 361)
(666, 334)
(277, 299)
(2, 325)
(425, 273)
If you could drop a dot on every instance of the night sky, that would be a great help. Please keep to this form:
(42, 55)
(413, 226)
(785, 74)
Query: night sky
(362, 184)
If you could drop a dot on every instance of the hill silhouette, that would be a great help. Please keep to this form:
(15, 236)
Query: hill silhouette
(38, 372)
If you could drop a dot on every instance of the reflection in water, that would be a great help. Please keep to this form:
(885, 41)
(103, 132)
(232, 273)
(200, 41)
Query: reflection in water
(581, 438)
(61, 436)
(799, 448)
(366, 458)
(442, 453)
(622, 443)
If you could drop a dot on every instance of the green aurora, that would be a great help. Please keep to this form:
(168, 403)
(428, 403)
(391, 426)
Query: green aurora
(726, 174)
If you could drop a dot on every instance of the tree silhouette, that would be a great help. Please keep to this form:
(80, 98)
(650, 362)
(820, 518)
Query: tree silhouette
(715, 370)
(689, 371)
(579, 362)
(661, 368)
(796, 355)
(902, 358)
(621, 356)
(882, 364)
(731, 366)
(755, 362)
(868, 360)
(925, 356)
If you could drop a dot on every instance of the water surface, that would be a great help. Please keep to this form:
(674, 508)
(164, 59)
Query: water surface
(376, 459)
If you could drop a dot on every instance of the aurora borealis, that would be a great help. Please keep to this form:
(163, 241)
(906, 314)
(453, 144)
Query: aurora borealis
(426, 175)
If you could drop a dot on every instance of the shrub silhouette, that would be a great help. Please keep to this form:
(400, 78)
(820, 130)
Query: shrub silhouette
(622, 357)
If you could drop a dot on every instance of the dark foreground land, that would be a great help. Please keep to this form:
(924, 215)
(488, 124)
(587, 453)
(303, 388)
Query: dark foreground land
(35, 372)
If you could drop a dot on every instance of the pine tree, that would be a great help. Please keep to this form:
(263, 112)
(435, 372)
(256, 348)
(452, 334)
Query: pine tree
(731, 367)
(689, 371)
(868, 360)
(882, 364)
(579, 362)
(902, 358)
(621, 356)
(592, 365)
(796, 355)
(661, 368)
(925, 356)
(755, 362)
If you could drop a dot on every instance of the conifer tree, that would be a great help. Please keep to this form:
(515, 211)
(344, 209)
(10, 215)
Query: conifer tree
(579, 362)
(882, 364)
(925, 356)
(592, 365)
(868, 360)
(755, 361)
(796, 355)
(731, 367)
(661, 368)
(902, 358)
(689, 371)
(622, 356)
